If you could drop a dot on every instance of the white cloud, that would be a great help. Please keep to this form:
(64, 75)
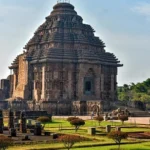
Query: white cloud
(142, 9)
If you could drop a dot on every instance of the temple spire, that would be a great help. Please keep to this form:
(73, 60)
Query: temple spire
(63, 1)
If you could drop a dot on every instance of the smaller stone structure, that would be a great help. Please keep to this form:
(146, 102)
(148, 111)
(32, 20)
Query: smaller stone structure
(10, 119)
(108, 128)
(1, 122)
(38, 130)
(92, 131)
(5, 87)
(12, 132)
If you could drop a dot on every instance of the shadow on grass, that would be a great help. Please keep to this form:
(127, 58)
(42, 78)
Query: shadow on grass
(54, 122)
(129, 149)
(139, 149)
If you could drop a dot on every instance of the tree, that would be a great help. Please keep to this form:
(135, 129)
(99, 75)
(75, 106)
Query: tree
(123, 118)
(99, 119)
(69, 140)
(125, 87)
(117, 136)
(44, 120)
(71, 118)
(77, 123)
(5, 142)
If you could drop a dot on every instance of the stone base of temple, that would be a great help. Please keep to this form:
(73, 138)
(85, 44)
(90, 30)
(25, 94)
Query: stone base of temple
(62, 107)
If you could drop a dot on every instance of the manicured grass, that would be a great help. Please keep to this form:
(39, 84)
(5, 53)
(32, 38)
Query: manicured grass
(135, 129)
(141, 146)
(94, 140)
(88, 123)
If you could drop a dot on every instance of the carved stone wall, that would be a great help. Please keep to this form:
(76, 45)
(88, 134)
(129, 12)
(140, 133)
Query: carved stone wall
(65, 62)
(20, 79)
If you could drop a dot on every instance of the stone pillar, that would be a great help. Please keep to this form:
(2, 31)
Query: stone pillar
(97, 87)
(118, 129)
(81, 82)
(14, 83)
(112, 83)
(26, 71)
(1, 122)
(43, 83)
(102, 83)
(23, 128)
(11, 119)
(70, 84)
(108, 128)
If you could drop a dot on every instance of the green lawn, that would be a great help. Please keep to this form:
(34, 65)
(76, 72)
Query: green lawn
(141, 146)
(88, 123)
(94, 141)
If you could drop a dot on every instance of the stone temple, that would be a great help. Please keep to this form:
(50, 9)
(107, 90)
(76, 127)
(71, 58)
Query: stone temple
(64, 67)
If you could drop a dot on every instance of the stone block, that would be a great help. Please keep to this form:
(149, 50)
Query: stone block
(108, 128)
(92, 131)
(118, 128)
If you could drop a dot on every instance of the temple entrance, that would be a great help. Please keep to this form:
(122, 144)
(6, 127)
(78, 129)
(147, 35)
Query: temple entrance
(88, 86)
(95, 110)
(89, 82)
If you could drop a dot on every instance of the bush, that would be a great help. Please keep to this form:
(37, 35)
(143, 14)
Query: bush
(71, 118)
(5, 142)
(69, 140)
(123, 118)
(44, 120)
(117, 136)
(77, 123)
(99, 119)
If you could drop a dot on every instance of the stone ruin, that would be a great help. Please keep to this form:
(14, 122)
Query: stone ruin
(116, 113)
(14, 117)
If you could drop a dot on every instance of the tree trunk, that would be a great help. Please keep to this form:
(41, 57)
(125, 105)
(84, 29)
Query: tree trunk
(119, 146)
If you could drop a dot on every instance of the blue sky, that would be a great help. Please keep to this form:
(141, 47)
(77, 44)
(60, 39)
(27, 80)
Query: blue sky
(124, 26)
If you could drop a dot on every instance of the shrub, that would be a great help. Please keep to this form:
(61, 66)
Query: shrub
(123, 118)
(77, 123)
(5, 142)
(69, 140)
(71, 118)
(117, 136)
(44, 120)
(99, 119)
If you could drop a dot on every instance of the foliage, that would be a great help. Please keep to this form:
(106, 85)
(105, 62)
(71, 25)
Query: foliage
(69, 140)
(44, 120)
(117, 136)
(135, 92)
(71, 118)
(77, 123)
(99, 119)
(123, 118)
(5, 142)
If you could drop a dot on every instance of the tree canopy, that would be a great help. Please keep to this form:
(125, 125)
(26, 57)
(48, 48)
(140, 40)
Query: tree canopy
(135, 92)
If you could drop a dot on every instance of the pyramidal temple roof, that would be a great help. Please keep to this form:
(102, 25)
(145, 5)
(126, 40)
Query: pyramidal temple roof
(64, 37)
